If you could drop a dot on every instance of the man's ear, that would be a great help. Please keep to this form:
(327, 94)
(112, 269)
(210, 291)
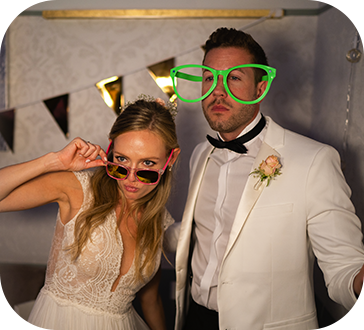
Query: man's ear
(261, 86)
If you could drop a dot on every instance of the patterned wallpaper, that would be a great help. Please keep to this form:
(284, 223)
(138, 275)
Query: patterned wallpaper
(52, 57)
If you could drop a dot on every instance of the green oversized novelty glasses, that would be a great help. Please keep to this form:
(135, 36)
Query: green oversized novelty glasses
(143, 175)
(192, 80)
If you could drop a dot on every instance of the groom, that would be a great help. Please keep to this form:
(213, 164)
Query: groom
(246, 249)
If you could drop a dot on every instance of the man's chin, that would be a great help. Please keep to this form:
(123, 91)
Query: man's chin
(219, 126)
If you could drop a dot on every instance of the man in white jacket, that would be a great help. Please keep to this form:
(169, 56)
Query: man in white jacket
(247, 241)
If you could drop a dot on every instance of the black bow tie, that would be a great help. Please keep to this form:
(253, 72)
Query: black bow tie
(237, 145)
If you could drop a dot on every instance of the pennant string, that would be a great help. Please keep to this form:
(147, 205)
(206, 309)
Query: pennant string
(272, 13)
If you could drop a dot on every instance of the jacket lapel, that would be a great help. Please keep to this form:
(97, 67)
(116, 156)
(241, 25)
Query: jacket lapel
(196, 182)
(186, 225)
(274, 136)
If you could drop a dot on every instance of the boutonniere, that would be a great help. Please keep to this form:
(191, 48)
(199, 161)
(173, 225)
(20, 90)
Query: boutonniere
(267, 170)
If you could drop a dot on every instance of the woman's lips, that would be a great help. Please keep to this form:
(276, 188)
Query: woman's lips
(131, 189)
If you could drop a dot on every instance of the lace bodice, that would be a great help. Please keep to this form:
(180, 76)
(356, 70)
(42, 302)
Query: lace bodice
(88, 282)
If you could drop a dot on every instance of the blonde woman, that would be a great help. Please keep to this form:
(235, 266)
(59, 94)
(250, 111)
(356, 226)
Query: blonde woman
(109, 231)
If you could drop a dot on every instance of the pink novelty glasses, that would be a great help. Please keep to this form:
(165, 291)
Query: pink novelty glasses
(145, 175)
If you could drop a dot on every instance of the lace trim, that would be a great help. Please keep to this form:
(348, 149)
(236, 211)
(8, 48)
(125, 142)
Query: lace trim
(85, 309)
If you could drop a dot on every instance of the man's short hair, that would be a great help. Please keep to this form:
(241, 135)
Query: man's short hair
(224, 37)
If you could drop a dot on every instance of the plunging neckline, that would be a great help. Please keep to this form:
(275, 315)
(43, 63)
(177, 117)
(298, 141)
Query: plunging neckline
(120, 276)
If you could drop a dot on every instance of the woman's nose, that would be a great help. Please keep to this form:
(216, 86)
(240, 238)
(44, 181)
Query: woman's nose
(132, 175)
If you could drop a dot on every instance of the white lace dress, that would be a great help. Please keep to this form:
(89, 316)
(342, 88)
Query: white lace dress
(78, 295)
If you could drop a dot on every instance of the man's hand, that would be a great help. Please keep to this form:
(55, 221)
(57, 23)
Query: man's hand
(358, 282)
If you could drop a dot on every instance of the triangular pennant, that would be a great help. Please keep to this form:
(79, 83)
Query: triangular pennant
(7, 124)
(160, 72)
(111, 90)
(58, 107)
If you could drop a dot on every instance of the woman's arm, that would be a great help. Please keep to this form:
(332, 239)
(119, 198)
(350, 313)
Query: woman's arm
(45, 179)
(151, 304)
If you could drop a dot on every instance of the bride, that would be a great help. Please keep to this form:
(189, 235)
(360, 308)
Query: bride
(109, 230)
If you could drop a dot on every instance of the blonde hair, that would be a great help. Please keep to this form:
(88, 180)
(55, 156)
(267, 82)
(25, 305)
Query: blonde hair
(148, 211)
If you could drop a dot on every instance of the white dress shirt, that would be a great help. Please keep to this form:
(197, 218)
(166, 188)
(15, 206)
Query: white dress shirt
(221, 189)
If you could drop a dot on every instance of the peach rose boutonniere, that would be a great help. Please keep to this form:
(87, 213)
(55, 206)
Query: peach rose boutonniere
(268, 170)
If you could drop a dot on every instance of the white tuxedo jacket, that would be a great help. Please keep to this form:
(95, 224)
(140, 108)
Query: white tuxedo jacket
(266, 276)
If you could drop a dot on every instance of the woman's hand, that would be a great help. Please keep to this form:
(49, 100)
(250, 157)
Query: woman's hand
(79, 155)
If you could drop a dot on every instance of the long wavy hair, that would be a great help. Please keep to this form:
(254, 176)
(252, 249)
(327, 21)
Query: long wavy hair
(148, 211)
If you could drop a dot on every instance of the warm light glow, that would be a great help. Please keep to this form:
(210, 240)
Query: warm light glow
(107, 98)
(106, 81)
(163, 13)
(111, 92)
(173, 98)
(164, 82)
(160, 73)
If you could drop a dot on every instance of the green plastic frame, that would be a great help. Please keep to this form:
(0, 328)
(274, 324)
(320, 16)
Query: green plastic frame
(271, 74)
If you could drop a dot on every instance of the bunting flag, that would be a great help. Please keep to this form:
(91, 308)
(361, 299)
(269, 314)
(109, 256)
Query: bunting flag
(111, 90)
(7, 124)
(160, 72)
(58, 107)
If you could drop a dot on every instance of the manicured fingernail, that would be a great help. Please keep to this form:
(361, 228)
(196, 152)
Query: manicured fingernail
(88, 160)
